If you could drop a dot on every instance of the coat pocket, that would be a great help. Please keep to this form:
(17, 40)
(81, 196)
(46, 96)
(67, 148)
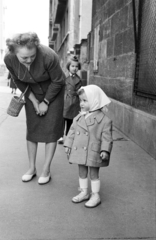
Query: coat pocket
(95, 152)
(95, 147)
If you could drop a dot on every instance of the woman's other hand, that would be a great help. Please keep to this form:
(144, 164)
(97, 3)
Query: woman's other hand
(43, 108)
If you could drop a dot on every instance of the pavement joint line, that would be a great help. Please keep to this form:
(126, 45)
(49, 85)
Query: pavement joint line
(120, 139)
(1, 122)
(114, 238)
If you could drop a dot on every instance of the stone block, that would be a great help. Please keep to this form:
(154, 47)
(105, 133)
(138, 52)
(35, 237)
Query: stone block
(128, 41)
(130, 66)
(102, 67)
(115, 23)
(118, 65)
(90, 68)
(111, 8)
(110, 47)
(123, 18)
(118, 89)
(104, 13)
(118, 45)
(122, 90)
(119, 4)
(130, 15)
(107, 29)
(103, 50)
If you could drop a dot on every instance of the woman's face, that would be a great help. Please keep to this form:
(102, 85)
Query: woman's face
(73, 68)
(84, 104)
(26, 56)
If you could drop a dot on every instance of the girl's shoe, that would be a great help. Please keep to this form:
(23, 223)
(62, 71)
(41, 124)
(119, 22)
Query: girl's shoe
(94, 201)
(60, 141)
(82, 196)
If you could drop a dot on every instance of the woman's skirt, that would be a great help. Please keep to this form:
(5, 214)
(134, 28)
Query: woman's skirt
(47, 128)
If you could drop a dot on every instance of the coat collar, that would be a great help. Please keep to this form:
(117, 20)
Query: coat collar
(73, 80)
(97, 115)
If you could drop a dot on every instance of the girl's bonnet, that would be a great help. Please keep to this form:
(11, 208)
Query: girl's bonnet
(96, 97)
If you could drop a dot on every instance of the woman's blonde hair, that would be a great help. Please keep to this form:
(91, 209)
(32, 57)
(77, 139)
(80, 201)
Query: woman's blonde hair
(29, 40)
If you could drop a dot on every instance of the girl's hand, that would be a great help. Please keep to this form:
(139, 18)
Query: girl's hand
(67, 151)
(43, 108)
(104, 155)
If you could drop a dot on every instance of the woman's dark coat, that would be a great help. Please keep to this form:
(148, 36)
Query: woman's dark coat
(46, 80)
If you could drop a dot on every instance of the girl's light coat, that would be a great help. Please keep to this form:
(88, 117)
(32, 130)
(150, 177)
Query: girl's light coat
(88, 137)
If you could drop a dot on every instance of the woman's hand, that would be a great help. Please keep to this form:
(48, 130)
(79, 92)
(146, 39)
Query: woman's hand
(43, 108)
(36, 106)
(35, 102)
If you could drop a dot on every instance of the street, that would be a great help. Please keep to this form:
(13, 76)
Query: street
(30, 211)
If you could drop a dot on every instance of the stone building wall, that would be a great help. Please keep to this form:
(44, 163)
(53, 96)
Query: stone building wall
(114, 70)
(116, 62)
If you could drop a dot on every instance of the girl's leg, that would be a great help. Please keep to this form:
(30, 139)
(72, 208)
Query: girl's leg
(68, 125)
(32, 150)
(83, 171)
(94, 173)
(83, 183)
(95, 186)
(49, 153)
(61, 140)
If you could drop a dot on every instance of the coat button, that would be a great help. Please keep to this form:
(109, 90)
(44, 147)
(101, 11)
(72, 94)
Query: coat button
(78, 133)
(85, 148)
(75, 148)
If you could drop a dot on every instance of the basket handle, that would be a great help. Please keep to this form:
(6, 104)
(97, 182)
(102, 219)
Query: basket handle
(22, 94)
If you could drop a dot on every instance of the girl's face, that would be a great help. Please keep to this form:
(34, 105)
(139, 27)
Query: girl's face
(26, 56)
(74, 66)
(84, 104)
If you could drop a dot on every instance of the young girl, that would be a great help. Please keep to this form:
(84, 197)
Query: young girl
(89, 142)
(71, 99)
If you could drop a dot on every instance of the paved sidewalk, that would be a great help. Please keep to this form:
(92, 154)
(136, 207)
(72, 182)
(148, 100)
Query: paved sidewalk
(29, 211)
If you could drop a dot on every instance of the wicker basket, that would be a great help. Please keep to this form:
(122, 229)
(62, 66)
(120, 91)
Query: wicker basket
(16, 105)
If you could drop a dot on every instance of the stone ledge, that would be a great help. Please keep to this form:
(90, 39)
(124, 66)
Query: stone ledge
(137, 125)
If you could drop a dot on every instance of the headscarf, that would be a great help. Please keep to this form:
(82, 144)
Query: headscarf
(96, 97)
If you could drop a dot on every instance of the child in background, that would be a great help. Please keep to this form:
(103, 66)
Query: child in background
(71, 99)
(11, 84)
(89, 142)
